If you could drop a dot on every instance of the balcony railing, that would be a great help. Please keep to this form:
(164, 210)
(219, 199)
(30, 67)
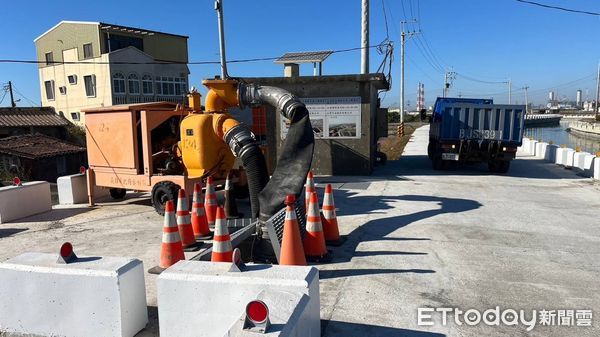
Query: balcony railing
(133, 99)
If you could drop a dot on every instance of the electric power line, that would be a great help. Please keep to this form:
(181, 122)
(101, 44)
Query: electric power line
(24, 97)
(174, 62)
(559, 8)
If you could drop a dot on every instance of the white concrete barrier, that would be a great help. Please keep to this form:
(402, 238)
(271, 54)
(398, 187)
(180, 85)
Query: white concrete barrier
(288, 313)
(597, 168)
(525, 145)
(198, 298)
(551, 153)
(17, 202)
(570, 156)
(72, 189)
(579, 160)
(532, 145)
(90, 297)
(540, 150)
(561, 154)
(588, 165)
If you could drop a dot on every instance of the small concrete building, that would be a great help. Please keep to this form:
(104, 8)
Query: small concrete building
(345, 116)
(94, 64)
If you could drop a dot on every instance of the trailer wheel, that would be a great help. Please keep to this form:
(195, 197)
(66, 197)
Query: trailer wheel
(117, 193)
(163, 192)
(430, 150)
(499, 166)
(437, 163)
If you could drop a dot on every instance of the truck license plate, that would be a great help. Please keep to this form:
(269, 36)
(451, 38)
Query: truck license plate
(449, 156)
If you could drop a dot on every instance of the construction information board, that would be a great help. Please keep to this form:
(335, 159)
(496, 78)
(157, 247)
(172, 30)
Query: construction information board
(331, 117)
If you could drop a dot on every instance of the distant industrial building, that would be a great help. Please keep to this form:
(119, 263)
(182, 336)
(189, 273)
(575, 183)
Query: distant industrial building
(92, 64)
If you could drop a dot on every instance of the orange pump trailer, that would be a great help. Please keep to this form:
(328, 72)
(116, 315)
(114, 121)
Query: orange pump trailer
(120, 147)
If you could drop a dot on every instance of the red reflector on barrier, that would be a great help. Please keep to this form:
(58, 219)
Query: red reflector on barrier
(257, 311)
(82, 170)
(66, 253)
(17, 181)
(66, 249)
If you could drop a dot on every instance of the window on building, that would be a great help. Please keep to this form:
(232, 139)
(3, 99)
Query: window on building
(118, 83)
(133, 83)
(147, 85)
(49, 86)
(116, 42)
(170, 86)
(90, 85)
(88, 51)
(75, 116)
(62, 90)
(49, 58)
(72, 79)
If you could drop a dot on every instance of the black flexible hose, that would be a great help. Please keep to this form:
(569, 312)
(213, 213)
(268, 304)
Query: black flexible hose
(243, 144)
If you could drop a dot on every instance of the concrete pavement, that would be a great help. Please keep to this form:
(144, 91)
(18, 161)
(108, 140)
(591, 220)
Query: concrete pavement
(463, 239)
(417, 238)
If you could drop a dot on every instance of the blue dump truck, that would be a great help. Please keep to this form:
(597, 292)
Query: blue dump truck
(468, 130)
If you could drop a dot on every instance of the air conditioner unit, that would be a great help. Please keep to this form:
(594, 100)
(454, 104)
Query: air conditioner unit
(72, 79)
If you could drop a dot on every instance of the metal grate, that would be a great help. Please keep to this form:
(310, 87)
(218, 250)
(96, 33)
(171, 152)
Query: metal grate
(275, 225)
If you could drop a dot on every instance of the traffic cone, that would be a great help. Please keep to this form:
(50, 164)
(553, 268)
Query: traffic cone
(329, 219)
(222, 250)
(292, 252)
(231, 211)
(314, 240)
(309, 189)
(199, 223)
(210, 202)
(184, 222)
(171, 249)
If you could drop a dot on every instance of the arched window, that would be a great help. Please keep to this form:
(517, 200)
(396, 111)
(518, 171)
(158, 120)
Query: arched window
(118, 83)
(147, 85)
(133, 82)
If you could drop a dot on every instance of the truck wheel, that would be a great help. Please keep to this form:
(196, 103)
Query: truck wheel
(430, 150)
(437, 163)
(163, 192)
(503, 166)
(117, 193)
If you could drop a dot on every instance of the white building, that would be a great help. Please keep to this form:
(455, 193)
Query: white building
(91, 64)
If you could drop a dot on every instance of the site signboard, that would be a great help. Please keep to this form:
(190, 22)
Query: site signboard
(331, 117)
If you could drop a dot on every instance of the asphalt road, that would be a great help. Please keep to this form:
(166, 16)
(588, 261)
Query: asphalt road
(418, 238)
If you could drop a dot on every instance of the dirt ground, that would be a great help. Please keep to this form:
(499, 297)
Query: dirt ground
(393, 146)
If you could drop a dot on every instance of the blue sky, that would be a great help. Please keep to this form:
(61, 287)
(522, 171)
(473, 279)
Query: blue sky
(485, 40)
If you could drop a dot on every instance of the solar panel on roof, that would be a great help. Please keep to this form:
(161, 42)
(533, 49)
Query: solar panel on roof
(304, 57)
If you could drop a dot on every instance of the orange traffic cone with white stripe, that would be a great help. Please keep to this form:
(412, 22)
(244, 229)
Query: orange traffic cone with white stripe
(184, 222)
(314, 240)
(222, 250)
(309, 188)
(329, 219)
(210, 202)
(171, 249)
(292, 252)
(199, 223)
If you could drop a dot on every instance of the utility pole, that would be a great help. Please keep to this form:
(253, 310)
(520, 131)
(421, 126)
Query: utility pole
(403, 37)
(12, 98)
(509, 91)
(364, 53)
(449, 77)
(526, 99)
(219, 9)
(597, 106)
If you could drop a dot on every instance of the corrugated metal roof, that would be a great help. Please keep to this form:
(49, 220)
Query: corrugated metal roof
(37, 146)
(304, 57)
(16, 117)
